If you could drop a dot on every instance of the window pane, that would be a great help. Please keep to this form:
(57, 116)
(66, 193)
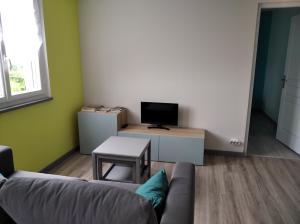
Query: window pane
(1, 84)
(1, 91)
(22, 41)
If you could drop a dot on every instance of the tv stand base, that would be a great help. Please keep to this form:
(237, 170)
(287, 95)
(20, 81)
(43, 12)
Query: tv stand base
(175, 145)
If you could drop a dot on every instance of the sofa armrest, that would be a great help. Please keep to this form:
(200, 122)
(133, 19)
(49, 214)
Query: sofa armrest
(179, 207)
(6, 161)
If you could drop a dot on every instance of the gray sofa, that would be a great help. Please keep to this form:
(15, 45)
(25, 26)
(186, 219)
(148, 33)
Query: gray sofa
(25, 187)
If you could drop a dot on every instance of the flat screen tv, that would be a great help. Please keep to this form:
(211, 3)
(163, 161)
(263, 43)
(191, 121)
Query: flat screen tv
(159, 114)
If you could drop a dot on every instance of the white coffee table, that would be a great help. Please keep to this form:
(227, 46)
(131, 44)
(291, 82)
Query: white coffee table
(127, 156)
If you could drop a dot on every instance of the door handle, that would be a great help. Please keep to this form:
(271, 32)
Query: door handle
(283, 80)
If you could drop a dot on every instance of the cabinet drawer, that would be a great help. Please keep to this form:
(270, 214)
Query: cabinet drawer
(181, 149)
(154, 142)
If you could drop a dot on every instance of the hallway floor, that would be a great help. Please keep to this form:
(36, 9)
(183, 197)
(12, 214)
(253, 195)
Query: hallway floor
(262, 141)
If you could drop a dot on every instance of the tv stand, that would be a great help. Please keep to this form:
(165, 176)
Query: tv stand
(158, 126)
(173, 145)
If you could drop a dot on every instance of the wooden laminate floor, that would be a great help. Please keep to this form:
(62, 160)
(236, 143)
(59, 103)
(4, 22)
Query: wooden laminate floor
(262, 139)
(231, 189)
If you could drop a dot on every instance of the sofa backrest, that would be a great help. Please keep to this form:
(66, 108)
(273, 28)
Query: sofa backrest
(179, 207)
(36, 200)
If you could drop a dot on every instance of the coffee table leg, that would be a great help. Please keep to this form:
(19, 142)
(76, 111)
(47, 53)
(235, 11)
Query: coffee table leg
(99, 167)
(134, 172)
(94, 159)
(138, 171)
(143, 162)
(149, 160)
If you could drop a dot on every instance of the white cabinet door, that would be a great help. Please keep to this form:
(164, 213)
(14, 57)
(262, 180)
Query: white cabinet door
(288, 130)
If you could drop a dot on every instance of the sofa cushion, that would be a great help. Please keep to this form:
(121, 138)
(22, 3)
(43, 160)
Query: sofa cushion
(155, 189)
(6, 161)
(43, 201)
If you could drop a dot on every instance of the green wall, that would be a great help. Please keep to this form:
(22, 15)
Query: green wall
(39, 134)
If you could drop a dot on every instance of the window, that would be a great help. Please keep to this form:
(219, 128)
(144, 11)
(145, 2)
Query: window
(23, 59)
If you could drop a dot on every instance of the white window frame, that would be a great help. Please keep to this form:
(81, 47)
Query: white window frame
(9, 101)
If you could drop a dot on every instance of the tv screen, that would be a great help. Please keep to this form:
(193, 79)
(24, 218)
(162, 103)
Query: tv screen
(159, 113)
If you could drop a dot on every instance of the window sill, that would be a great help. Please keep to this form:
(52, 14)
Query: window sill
(25, 104)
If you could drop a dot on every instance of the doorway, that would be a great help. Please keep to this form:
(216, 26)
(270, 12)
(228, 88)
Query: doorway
(275, 125)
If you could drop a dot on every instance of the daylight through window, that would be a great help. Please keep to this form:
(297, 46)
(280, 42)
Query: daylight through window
(23, 61)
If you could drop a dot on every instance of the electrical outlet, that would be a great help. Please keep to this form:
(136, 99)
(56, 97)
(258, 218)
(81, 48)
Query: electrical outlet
(235, 141)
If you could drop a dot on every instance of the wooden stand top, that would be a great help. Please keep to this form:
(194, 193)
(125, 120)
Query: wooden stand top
(184, 132)
(111, 112)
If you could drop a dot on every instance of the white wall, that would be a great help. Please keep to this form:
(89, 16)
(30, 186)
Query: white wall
(197, 53)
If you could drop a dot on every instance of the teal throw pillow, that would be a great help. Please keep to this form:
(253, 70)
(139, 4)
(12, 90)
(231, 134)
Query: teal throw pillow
(155, 189)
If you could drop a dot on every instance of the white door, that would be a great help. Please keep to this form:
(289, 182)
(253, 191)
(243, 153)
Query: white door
(288, 130)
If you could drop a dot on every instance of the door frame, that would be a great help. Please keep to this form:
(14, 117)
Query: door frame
(261, 6)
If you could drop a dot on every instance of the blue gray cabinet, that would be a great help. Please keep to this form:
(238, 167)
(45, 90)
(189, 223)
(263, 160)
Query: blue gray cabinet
(181, 149)
(175, 145)
(95, 128)
(153, 138)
